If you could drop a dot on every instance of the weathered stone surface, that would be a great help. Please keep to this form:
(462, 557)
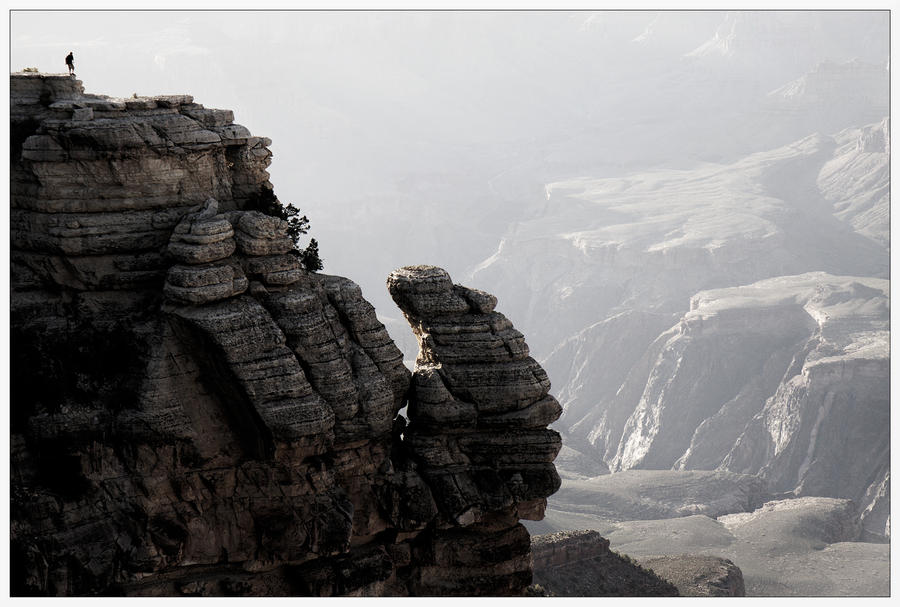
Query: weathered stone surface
(253, 348)
(202, 236)
(172, 100)
(536, 415)
(83, 113)
(479, 409)
(433, 406)
(365, 329)
(210, 117)
(141, 103)
(27, 89)
(259, 234)
(340, 370)
(232, 133)
(488, 339)
(96, 175)
(479, 301)
(580, 563)
(204, 284)
(698, 575)
(425, 291)
(194, 414)
(275, 270)
(99, 233)
(564, 547)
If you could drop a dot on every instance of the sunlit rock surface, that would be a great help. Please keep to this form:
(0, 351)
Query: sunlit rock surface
(787, 378)
(698, 575)
(807, 546)
(616, 262)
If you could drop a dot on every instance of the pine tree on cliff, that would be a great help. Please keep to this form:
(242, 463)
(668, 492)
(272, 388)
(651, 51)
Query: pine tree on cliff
(310, 256)
(267, 203)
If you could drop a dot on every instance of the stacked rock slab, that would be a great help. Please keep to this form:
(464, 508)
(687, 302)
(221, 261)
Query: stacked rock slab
(479, 409)
(201, 242)
(193, 413)
(99, 183)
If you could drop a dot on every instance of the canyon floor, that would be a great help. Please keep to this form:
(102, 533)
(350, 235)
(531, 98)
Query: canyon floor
(784, 547)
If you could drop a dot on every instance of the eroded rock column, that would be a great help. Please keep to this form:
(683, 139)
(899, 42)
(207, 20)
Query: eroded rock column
(479, 408)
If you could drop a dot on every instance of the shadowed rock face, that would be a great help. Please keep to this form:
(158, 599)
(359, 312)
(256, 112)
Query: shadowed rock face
(193, 413)
(580, 563)
(478, 411)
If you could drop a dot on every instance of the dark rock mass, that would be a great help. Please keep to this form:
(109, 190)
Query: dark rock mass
(580, 564)
(193, 413)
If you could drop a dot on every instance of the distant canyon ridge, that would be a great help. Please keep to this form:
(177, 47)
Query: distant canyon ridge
(709, 296)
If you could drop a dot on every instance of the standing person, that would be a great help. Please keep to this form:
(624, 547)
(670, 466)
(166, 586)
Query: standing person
(70, 62)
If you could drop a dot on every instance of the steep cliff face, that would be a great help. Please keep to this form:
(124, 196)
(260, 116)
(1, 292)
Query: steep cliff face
(194, 413)
(479, 412)
(786, 378)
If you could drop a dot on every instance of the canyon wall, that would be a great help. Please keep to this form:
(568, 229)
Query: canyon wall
(787, 378)
(194, 413)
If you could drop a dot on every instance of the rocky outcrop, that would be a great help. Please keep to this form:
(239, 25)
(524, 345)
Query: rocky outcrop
(580, 563)
(698, 575)
(786, 378)
(857, 180)
(561, 559)
(566, 547)
(194, 413)
(815, 521)
(478, 413)
(658, 494)
(105, 181)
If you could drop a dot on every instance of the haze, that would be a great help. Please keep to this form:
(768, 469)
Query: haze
(459, 115)
(686, 214)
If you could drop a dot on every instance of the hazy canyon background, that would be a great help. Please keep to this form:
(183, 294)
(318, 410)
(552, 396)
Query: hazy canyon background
(686, 214)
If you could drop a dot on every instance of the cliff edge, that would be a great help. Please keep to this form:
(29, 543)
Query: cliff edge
(194, 413)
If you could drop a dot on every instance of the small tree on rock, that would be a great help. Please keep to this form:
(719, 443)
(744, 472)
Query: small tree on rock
(310, 256)
(267, 203)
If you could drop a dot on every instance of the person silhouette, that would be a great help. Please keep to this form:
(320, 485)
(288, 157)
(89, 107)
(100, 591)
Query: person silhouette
(70, 62)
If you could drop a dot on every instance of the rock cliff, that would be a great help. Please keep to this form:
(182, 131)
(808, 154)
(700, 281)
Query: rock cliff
(803, 402)
(747, 306)
(193, 413)
(580, 563)
(696, 575)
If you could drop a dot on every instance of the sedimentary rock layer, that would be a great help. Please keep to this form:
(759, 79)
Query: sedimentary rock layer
(478, 411)
(580, 563)
(194, 413)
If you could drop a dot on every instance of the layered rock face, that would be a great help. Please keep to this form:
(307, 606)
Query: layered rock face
(565, 547)
(105, 180)
(193, 413)
(580, 563)
(785, 378)
(479, 410)
(614, 261)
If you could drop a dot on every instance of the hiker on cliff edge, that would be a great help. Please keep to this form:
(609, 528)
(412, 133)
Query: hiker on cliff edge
(70, 62)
